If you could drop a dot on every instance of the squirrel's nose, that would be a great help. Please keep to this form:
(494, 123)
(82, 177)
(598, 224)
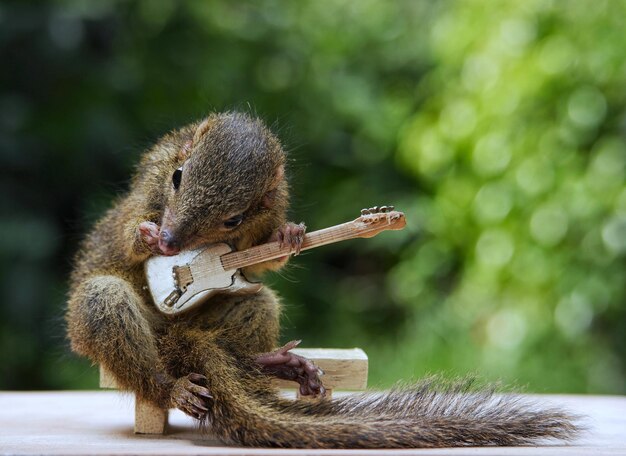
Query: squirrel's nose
(168, 244)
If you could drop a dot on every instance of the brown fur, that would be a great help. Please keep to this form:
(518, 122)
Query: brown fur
(234, 165)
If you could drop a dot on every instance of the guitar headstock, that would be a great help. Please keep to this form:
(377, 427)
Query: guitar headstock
(379, 218)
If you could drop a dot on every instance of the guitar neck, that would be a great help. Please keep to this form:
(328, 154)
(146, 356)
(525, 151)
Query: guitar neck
(272, 250)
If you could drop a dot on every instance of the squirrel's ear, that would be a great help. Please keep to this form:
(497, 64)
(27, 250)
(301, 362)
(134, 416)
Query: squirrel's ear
(201, 130)
(270, 196)
(278, 176)
(183, 153)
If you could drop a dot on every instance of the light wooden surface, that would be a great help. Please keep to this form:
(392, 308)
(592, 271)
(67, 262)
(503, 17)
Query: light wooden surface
(101, 422)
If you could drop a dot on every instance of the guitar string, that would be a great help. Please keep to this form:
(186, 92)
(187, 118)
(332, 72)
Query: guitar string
(265, 252)
(258, 254)
(233, 261)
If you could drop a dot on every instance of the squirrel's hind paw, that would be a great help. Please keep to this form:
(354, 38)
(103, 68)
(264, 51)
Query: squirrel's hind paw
(286, 365)
(190, 395)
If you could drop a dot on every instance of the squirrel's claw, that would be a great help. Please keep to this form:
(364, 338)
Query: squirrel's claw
(291, 234)
(149, 233)
(285, 365)
(190, 396)
(152, 235)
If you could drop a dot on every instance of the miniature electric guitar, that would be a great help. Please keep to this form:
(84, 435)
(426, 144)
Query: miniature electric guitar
(182, 282)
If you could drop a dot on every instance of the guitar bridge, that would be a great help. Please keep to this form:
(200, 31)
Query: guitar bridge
(182, 277)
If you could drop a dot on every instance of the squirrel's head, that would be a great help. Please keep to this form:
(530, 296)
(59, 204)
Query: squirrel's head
(227, 180)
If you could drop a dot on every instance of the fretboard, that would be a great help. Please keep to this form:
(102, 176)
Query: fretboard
(272, 250)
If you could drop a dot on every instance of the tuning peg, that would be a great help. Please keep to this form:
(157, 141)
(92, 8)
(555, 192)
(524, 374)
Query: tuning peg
(377, 209)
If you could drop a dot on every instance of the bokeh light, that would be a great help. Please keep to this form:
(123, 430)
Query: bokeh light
(499, 127)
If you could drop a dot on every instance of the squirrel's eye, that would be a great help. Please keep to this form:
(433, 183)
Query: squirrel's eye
(176, 177)
(233, 222)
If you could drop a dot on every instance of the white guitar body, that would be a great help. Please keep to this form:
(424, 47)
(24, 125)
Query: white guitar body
(181, 282)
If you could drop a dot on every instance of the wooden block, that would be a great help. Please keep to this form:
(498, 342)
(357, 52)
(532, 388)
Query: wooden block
(344, 369)
(149, 419)
(106, 379)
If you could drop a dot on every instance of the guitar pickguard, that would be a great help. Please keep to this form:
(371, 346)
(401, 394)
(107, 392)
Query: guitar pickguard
(182, 282)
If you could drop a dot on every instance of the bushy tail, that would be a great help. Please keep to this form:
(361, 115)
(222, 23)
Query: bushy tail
(418, 416)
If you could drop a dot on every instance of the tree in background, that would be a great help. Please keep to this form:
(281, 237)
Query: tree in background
(498, 127)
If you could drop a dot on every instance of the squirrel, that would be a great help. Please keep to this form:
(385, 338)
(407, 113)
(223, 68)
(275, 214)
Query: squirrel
(223, 179)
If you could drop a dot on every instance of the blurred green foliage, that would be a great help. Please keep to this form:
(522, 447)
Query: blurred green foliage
(499, 127)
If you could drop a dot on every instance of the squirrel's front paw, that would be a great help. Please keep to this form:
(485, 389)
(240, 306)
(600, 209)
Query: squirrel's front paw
(291, 234)
(191, 396)
(149, 233)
